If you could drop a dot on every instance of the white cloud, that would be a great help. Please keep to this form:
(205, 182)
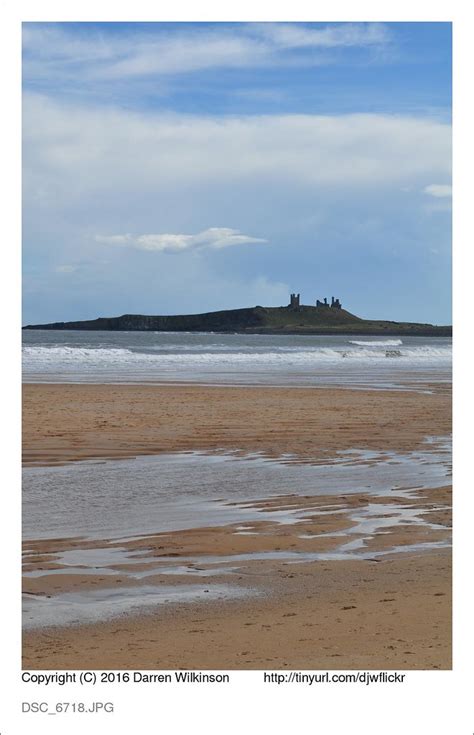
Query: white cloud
(73, 151)
(291, 35)
(213, 238)
(439, 191)
(104, 56)
(181, 55)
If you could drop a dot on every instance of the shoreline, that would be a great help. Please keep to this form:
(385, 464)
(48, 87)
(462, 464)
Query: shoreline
(369, 328)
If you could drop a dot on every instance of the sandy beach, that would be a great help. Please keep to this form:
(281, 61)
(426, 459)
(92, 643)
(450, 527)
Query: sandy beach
(389, 615)
(62, 423)
(384, 611)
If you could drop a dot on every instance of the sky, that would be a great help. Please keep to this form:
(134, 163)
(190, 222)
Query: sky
(190, 167)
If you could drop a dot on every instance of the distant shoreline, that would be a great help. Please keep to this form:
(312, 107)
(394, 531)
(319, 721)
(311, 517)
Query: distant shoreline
(303, 320)
(431, 332)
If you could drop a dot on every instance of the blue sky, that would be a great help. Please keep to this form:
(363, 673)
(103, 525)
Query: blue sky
(191, 167)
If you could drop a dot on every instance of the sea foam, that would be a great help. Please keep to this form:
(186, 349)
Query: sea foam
(284, 359)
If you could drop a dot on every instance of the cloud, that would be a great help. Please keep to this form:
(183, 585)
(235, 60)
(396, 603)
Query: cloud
(299, 35)
(73, 152)
(55, 51)
(214, 238)
(152, 183)
(180, 55)
(440, 191)
(108, 175)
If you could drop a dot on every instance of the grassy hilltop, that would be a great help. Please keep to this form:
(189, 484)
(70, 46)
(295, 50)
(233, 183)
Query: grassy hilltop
(256, 320)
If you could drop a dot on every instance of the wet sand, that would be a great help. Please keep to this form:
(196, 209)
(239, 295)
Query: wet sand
(70, 422)
(388, 611)
(394, 614)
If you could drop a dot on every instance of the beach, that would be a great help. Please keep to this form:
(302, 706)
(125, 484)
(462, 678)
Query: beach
(390, 615)
(76, 422)
(329, 550)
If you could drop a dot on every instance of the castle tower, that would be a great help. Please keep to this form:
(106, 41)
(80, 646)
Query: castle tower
(294, 301)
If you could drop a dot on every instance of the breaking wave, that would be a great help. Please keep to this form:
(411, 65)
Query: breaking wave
(38, 356)
(377, 343)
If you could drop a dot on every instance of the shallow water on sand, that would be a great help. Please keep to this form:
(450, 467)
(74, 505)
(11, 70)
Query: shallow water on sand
(105, 505)
(70, 608)
(133, 497)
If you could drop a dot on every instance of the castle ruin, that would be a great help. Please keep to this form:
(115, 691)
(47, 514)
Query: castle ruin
(335, 303)
(295, 303)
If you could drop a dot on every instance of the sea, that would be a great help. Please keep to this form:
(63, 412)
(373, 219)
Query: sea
(235, 359)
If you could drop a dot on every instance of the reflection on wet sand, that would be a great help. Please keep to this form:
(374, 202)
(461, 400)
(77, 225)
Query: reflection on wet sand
(74, 577)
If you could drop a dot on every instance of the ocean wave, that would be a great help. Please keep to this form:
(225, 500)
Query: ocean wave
(38, 357)
(377, 343)
(58, 352)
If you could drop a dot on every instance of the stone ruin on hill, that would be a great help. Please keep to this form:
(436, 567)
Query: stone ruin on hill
(295, 303)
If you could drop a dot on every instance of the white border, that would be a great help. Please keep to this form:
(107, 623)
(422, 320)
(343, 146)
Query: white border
(431, 702)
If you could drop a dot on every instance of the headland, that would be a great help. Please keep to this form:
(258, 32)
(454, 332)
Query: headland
(320, 319)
